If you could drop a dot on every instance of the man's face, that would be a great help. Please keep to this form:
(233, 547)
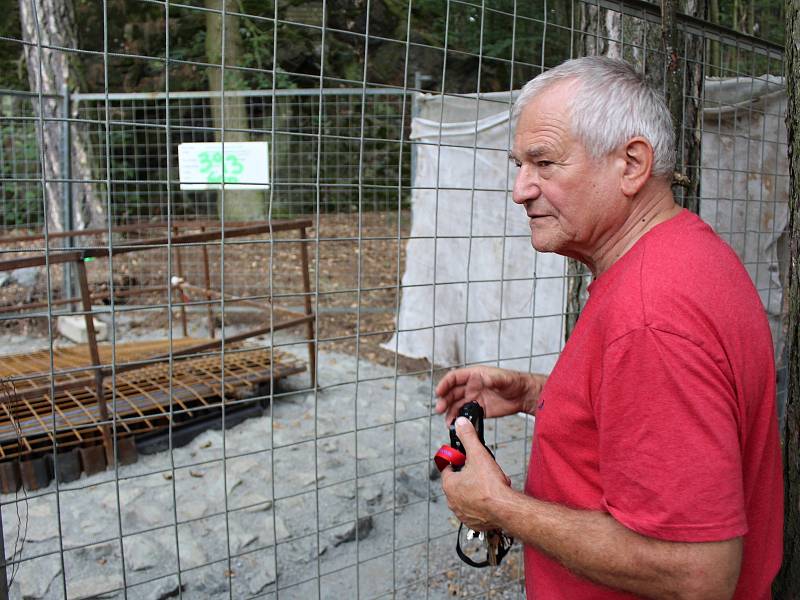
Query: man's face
(569, 197)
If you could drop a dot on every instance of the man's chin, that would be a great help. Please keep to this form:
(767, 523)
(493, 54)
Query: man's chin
(542, 244)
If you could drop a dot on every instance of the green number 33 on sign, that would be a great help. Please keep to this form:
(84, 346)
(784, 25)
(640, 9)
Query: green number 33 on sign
(212, 168)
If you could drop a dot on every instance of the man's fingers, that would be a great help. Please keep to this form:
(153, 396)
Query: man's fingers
(447, 382)
(468, 436)
(450, 402)
(447, 473)
(444, 403)
(444, 385)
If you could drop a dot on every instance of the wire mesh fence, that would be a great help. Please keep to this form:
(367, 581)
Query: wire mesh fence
(212, 396)
(22, 206)
(140, 157)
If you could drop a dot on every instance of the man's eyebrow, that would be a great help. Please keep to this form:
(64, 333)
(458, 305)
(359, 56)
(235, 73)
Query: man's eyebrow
(535, 152)
(531, 153)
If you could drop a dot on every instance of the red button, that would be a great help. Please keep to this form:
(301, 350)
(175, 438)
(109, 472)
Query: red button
(447, 455)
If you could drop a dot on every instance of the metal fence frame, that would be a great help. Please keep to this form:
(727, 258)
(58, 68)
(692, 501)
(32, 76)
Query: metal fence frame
(638, 9)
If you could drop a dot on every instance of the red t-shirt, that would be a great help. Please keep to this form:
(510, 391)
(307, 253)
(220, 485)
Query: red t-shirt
(661, 410)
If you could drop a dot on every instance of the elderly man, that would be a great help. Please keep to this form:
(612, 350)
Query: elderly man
(655, 468)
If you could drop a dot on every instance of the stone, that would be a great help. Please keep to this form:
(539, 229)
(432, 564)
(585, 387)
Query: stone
(36, 577)
(191, 552)
(167, 589)
(158, 590)
(309, 479)
(241, 538)
(98, 586)
(348, 492)
(192, 509)
(151, 514)
(208, 582)
(233, 483)
(329, 446)
(127, 497)
(98, 552)
(40, 530)
(254, 502)
(73, 327)
(371, 494)
(142, 552)
(26, 277)
(281, 531)
(365, 526)
(241, 466)
(259, 577)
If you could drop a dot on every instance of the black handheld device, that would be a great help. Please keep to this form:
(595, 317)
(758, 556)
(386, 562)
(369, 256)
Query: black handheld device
(474, 412)
(496, 543)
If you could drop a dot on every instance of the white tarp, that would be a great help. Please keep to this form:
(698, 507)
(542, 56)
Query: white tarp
(471, 275)
(745, 178)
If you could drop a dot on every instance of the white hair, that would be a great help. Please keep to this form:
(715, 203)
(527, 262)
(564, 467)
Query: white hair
(612, 103)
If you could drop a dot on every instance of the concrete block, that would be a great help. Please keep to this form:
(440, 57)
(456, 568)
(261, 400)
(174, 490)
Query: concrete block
(73, 327)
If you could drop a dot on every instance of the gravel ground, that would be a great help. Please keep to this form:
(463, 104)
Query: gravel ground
(283, 503)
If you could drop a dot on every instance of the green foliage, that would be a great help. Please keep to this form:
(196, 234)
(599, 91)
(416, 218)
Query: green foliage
(763, 19)
(21, 201)
(137, 32)
(13, 74)
(455, 47)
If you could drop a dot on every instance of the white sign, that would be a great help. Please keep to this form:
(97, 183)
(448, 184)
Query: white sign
(243, 165)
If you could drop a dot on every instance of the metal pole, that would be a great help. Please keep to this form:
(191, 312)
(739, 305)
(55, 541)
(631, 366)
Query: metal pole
(3, 579)
(311, 324)
(94, 353)
(66, 207)
(184, 324)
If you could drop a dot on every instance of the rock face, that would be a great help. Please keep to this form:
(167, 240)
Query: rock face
(346, 508)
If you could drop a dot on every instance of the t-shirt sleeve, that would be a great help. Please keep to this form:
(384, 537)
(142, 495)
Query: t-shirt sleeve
(670, 461)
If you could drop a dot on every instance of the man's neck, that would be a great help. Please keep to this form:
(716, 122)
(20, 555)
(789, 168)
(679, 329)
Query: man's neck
(652, 206)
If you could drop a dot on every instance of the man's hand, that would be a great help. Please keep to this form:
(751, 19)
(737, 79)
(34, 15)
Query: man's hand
(471, 491)
(500, 392)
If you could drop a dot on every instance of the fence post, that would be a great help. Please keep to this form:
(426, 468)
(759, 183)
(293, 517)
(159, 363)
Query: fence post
(66, 206)
(3, 579)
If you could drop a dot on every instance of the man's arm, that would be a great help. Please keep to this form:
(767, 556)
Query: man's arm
(597, 547)
(591, 544)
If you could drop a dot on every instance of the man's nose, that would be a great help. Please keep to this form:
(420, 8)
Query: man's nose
(526, 187)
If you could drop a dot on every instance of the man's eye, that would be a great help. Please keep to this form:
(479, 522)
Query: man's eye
(544, 163)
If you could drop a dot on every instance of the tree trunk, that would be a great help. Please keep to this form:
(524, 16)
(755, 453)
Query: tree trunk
(54, 20)
(684, 77)
(601, 34)
(714, 48)
(240, 205)
(787, 584)
(600, 31)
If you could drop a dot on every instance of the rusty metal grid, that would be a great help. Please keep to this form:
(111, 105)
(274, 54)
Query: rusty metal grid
(142, 394)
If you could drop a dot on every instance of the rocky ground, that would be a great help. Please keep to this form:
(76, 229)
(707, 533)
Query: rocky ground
(328, 494)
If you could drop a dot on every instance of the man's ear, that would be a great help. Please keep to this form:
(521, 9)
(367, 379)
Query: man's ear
(637, 154)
